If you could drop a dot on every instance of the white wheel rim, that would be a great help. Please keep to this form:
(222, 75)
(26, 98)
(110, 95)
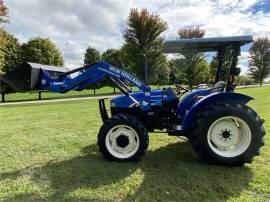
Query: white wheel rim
(122, 141)
(229, 136)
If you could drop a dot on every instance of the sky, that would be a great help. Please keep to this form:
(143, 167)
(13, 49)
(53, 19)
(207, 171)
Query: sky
(73, 25)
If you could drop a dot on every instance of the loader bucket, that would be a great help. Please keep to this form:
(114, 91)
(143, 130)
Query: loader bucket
(27, 76)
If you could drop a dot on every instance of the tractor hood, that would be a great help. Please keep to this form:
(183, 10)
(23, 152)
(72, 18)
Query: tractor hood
(157, 97)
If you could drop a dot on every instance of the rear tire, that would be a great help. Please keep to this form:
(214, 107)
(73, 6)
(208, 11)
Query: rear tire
(227, 134)
(123, 138)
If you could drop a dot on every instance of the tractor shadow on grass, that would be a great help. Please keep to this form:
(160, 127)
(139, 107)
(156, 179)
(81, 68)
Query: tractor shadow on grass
(170, 173)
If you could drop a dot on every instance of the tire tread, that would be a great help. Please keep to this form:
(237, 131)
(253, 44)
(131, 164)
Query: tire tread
(218, 107)
(129, 120)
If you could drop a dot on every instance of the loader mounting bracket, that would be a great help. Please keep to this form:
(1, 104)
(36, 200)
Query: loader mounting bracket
(103, 110)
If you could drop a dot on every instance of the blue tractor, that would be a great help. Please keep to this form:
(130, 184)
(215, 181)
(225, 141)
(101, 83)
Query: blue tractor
(217, 121)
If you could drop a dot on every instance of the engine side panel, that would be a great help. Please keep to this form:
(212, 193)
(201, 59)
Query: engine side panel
(162, 105)
(156, 98)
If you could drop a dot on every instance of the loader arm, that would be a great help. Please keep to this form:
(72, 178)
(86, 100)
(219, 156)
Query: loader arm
(83, 77)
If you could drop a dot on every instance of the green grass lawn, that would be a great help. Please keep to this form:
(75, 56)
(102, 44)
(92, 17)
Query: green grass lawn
(48, 152)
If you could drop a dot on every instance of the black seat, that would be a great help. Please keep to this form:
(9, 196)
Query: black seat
(175, 99)
(218, 87)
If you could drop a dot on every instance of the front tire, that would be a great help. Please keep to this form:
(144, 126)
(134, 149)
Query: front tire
(227, 134)
(123, 138)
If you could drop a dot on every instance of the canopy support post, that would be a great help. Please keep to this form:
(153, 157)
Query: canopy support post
(220, 58)
(235, 53)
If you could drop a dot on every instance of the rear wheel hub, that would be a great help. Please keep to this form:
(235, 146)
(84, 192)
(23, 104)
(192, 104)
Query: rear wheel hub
(226, 134)
(229, 136)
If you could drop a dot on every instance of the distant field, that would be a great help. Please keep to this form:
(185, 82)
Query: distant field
(48, 152)
(73, 94)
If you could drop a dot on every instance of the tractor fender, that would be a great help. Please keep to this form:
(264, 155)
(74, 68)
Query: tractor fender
(214, 97)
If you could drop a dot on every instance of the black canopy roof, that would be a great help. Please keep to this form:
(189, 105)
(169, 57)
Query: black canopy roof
(205, 44)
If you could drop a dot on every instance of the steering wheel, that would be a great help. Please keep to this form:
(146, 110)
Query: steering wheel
(180, 90)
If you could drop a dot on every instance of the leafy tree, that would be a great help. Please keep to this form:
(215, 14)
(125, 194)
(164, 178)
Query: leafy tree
(9, 51)
(143, 41)
(225, 66)
(3, 12)
(163, 76)
(213, 68)
(244, 80)
(172, 77)
(9, 56)
(191, 32)
(192, 65)
(193, 69)
(175, 75)
(204, 75)
(114, 57)
(91, 56)
(259, 59)
(43, 51)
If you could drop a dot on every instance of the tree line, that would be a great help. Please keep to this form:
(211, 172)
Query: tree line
(143, 42)
(142, 46)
